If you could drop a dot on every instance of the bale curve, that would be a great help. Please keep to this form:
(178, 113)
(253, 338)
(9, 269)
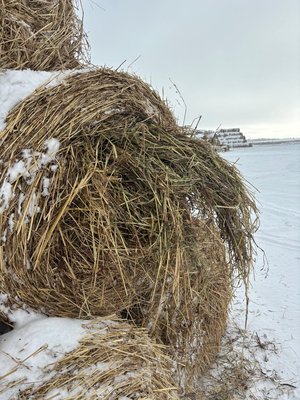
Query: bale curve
(107, 207)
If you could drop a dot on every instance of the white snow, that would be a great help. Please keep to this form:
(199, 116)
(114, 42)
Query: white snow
(15, 86)
(11, 222)
(19, 316)
(27, 351)
(52, 146)
(27, 168)
(46, 184)
(16, 170)
(274, 309)
(4, 236)
(6, 193)
(33, 207)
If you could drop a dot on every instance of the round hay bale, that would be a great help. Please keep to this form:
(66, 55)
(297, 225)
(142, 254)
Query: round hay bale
(107, 207)
(112, 360)
(41, 35)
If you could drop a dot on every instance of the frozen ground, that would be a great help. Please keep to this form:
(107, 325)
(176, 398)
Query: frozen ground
(273, 332)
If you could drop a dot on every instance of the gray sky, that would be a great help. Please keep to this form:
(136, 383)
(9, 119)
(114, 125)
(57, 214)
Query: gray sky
(235, 62)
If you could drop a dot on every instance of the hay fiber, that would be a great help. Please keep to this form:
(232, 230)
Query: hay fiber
(41, 35)
(108, 207)
(113, 360)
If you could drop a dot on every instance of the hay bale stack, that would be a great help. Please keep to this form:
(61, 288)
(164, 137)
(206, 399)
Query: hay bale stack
(106, 206)
(113, 360)
(41, 35)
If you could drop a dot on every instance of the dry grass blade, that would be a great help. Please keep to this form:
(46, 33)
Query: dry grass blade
(41, 35)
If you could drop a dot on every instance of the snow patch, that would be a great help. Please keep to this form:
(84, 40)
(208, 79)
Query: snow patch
(46, 184)
(31, 163)
(27, 351)
(52, 147)
(15, 86)
(6, 193)
(16, 170)
(11, 222)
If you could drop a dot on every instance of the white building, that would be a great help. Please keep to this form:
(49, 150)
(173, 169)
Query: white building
(225, 137)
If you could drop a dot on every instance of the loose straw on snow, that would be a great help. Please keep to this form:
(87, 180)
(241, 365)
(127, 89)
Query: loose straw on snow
(114, 360)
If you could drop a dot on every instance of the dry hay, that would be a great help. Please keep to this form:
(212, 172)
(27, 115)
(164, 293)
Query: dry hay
(41, 35)
(113, 360)
(193, 327)
(136, 219)
(242, 369)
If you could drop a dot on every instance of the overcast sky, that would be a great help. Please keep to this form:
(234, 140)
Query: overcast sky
(235, 62)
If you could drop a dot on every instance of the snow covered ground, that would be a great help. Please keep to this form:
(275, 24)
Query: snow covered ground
(274, 309)
(28, 352)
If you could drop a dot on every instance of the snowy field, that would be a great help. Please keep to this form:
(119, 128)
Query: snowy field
(274, 309)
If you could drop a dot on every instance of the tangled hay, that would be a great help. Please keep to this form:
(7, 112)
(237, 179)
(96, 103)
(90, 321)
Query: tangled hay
(41, 35)
(193, 327)
(113, 360)
(107, 207)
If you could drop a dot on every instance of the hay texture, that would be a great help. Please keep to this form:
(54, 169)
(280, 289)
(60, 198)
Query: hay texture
(107, 207)
(41, 35)
(113, 360)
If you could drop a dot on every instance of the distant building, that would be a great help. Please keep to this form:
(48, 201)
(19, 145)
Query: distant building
(225, 138)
